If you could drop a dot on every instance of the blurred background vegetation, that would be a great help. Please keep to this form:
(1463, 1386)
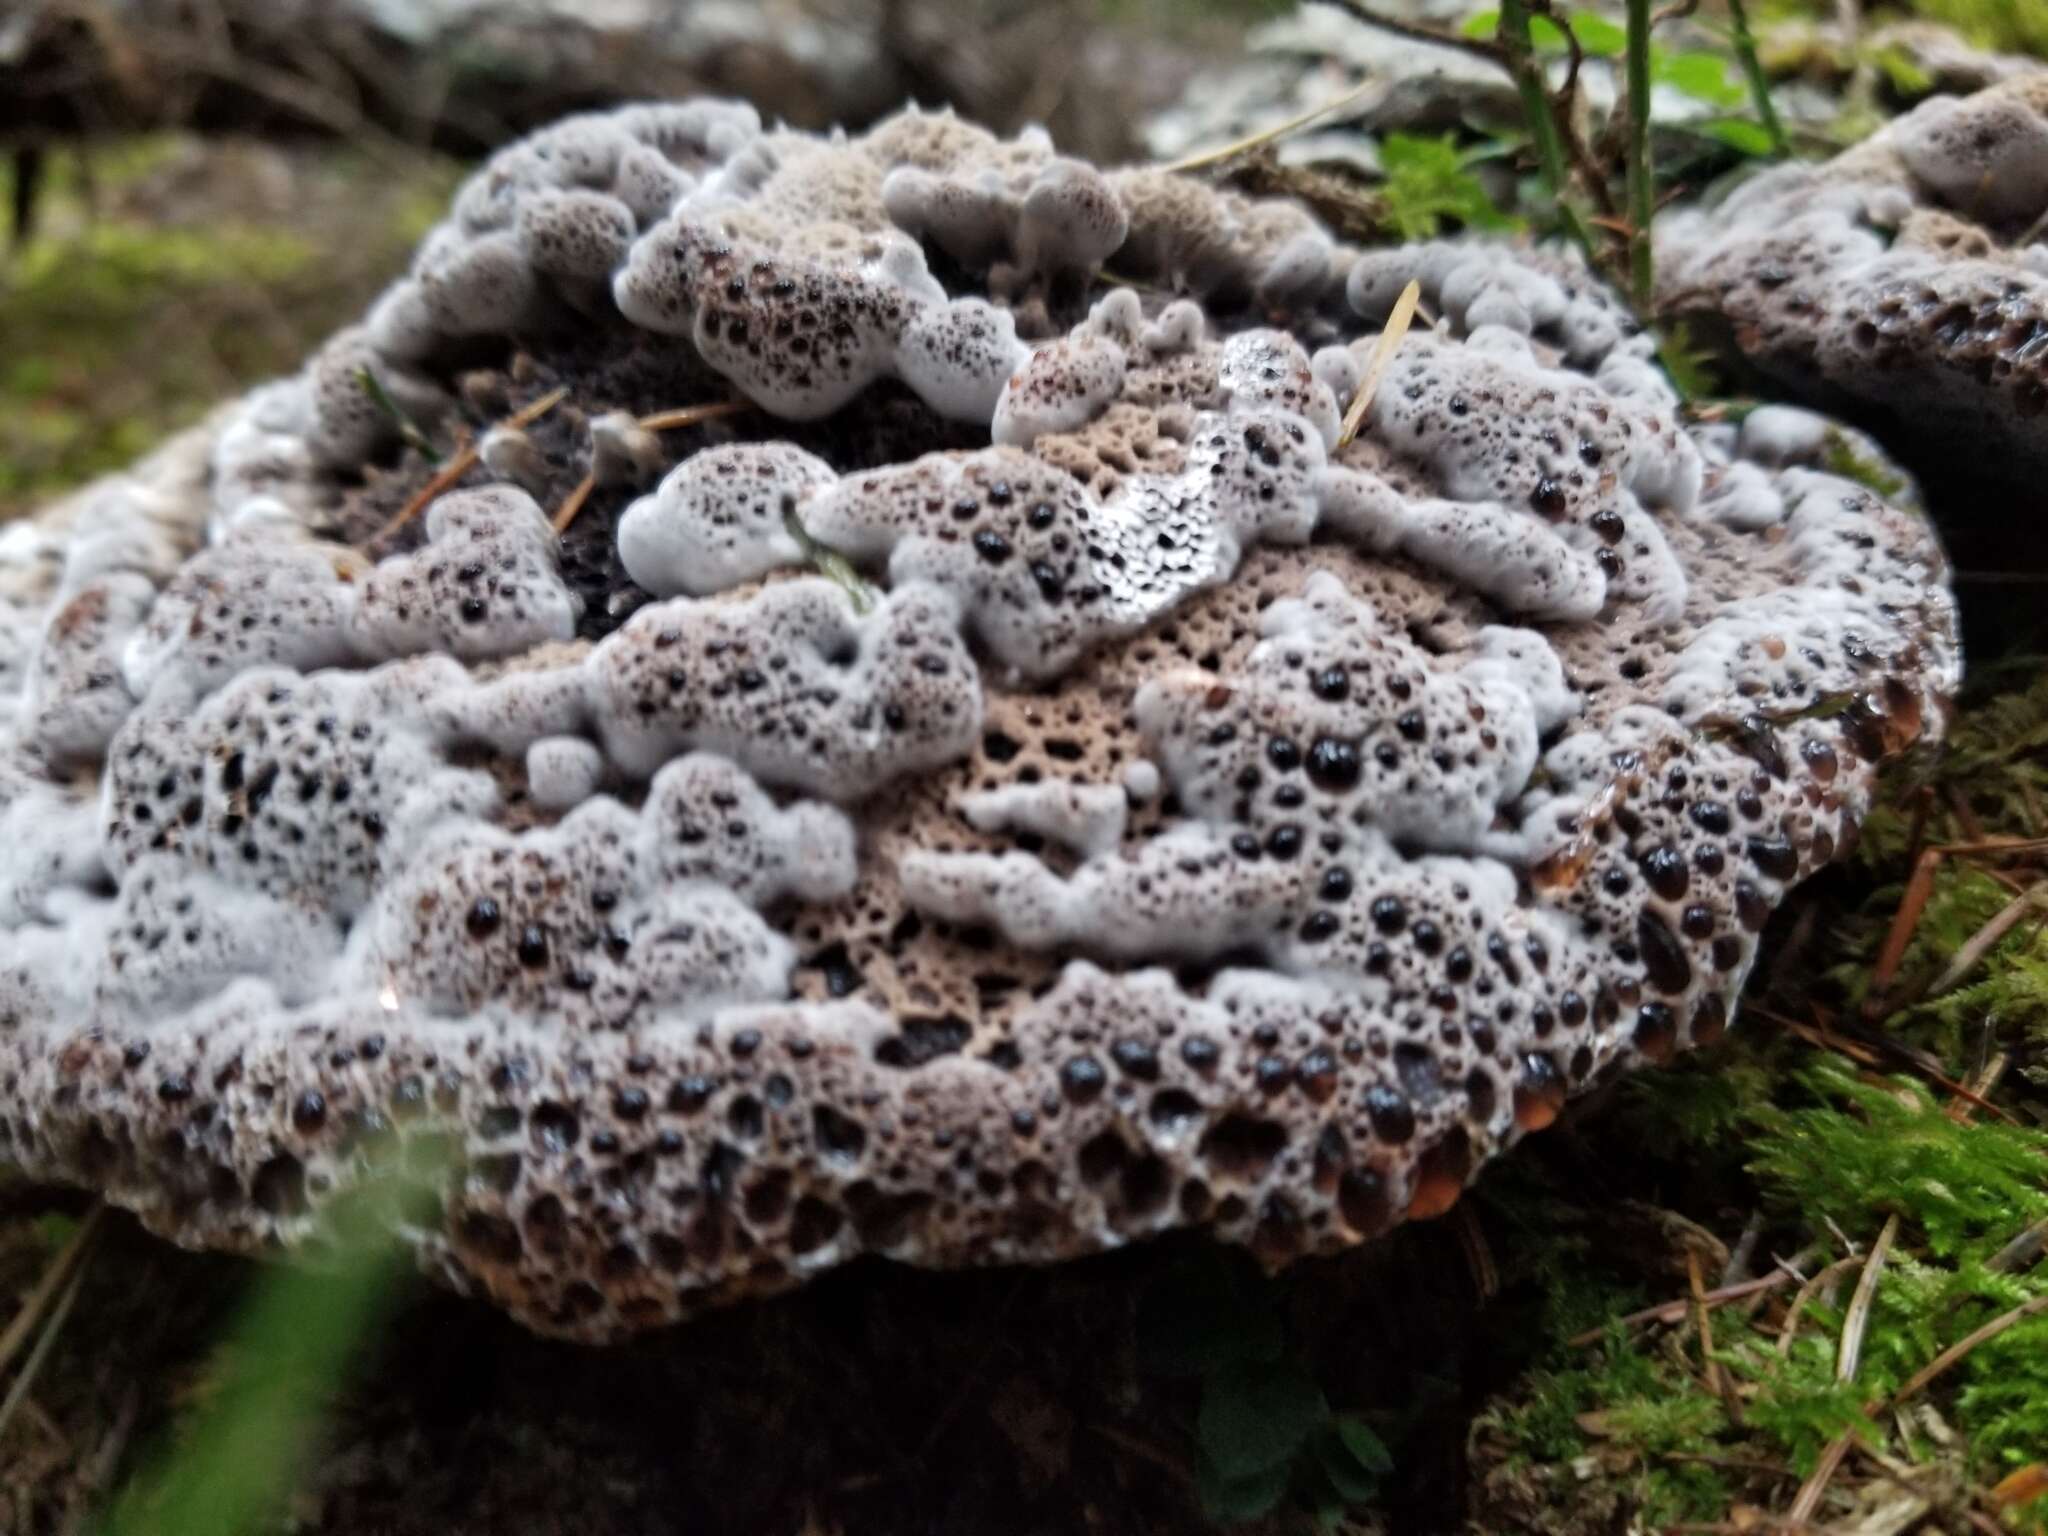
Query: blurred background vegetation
(199, 231)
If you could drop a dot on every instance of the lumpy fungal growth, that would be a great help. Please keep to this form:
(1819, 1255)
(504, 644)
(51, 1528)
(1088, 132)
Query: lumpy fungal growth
(1004, 783)
(1908, 276)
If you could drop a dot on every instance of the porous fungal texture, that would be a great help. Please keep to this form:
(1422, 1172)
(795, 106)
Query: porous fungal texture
(1021, 786)
(1908, 275)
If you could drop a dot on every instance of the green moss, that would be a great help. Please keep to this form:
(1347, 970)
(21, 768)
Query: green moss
(1544, 1426)
(1840, 457)
(1429, 181)
(122, 328)
(1852, 1154)
(76, 310)
(1865, 1150)
(1820, 1149)
(2019, 26)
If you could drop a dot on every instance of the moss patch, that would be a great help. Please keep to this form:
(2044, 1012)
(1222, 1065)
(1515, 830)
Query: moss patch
(1833, 1114)
(163, 284)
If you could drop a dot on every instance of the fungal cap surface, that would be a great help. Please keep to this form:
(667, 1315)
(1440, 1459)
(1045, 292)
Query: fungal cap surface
(1006, 782)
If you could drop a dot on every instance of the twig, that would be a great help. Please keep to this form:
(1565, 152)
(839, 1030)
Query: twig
(1717, 1379)
(1478, 1256)
(47, 1285)
(660, 421)
(461, 463)
(1982, 1081)
(1674, 1311)
(1809, 1495)
(1478, 47)
(1849, 16)
(1733, 1463)
(691, 415)
(1792, 1269)
(2037, 814)
(1980, 845)
(1753, 71)
(1848, 1243)
(171, 49)
(1969, 1342)
(1856, 1321)
(1966, 818)
(573, 503)
(1277, 131)
(1913, 902)
(1641, 192)
(2020, 1486)
(2021, 1251)
(1519, 54)
(1848, 1354)
(1987, 938)
(1880, 1003)
(1575, 51)
(108, 1454)
(1592, 177)
(45, 1342)
(1739, 1257)
(1398, 321)
(1806, 1292)
(1873, 1051)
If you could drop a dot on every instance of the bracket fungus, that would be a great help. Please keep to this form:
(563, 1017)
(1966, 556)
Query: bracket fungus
(1907, 276)
(1156, 816)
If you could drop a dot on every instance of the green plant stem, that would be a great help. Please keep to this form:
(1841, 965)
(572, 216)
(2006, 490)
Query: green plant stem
(1518, 52)
(1641, 193)
(1753, 72)
(239, 1451)
(408, 429)
(829, 562)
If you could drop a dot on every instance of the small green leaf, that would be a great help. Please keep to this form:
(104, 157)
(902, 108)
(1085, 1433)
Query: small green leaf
(1367, 1447)
(1482, 26)
(1598, 36)
(1702, 76)
(1902, 71)
(1233, 1500)
(1429, 180)
(1257, 1416)
(1688, 362)
(1739, 133)
(408, 429)
(829, 562)
(1547, 35)
(1353, 1484)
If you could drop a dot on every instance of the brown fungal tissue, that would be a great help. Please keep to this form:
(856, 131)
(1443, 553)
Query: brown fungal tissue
(1909, 275)
(1020, 787)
